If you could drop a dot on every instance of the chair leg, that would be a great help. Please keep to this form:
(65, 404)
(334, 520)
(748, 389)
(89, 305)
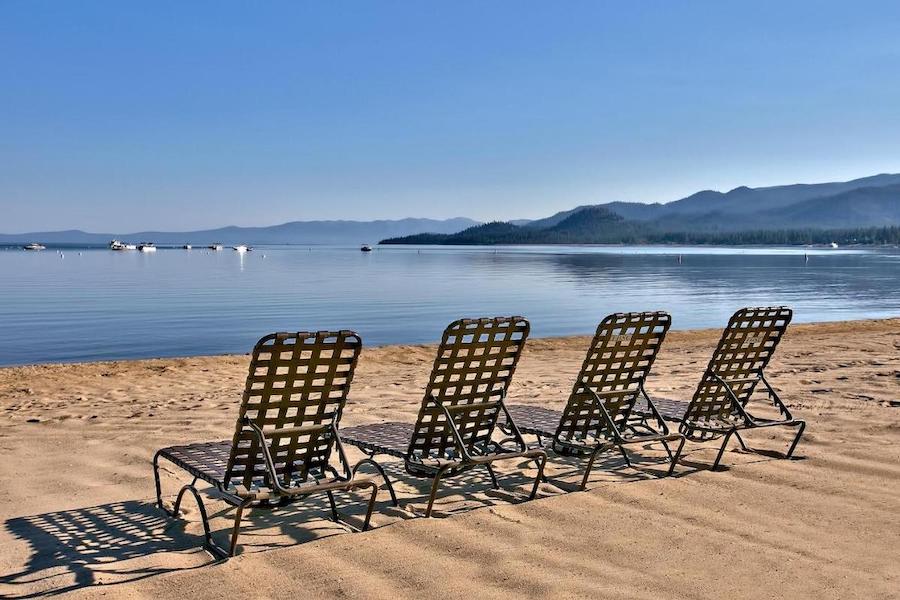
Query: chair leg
(334, 511)
(217, 552)
(668, 451)
(590, 464)
(541, 460)
(801, 425)
(237, 526)
(490, 471)
(624, 455)
(722, 449)
(741, 441)
(434, 488)
(380, 469)
(158, 486)
(371, 505)
(674, 459)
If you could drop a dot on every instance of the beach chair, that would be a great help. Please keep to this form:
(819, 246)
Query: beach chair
(719, 407)
(285, 434)
(596, 416)
(464, 397)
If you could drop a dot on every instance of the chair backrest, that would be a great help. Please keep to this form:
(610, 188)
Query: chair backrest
(296, 380)
(473, 369)
(746, 347)
(618, 360)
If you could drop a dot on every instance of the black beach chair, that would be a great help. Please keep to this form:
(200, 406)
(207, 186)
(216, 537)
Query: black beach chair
(287, 428)
(463, 400)
(596, 416)
(719, 407)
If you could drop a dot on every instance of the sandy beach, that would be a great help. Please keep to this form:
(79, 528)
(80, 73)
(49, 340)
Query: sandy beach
(76, 489)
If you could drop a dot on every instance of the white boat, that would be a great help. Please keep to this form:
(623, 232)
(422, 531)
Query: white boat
(146, 247)
(215, 247)
(366, 248)
(187, 246)
(240, 248)
(118, 245)
(35, 246)
(834, 244)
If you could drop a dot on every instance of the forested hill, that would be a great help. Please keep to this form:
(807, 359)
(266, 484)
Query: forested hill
(597, 225)
(866, 214)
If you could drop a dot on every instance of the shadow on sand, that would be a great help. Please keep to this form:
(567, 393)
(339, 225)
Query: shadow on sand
(125, 541)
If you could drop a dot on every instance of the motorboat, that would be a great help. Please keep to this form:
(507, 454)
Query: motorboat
(366, 248)
(187, 247)
(146, 247)
(215, 247)
(35, 246)
(118, 245)
(834, 245)
(240, 248)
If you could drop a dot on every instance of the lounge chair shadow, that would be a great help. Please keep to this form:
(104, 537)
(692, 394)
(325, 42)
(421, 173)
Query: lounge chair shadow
(467, 491)
(104, 544)
(610, 468)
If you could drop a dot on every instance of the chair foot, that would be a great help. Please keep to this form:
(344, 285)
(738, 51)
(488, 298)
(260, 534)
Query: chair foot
(237, 526)
(380, 469)
(493, 475)
(334, 511)
(801, 426)
(722, 450)
(741, 441)
(624, 455)
(434, 488)
(590, 464)
(217, 552)
(371, 505)
(158, 486)
(673, 460)
(541, 460)
(668, 450)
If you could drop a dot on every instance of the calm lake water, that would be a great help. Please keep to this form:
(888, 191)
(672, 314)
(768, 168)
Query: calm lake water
(93, 304)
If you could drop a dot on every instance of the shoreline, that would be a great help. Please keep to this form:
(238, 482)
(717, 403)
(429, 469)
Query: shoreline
(823, 325)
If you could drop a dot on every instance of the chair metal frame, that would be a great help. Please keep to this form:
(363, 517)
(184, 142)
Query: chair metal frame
(719, 405)
(299, 399)
(611, 378)
(463, 401)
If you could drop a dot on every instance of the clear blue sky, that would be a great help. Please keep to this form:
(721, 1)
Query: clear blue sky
(119, 116)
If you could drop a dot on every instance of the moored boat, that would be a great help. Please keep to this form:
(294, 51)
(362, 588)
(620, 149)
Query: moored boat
(187, 247)
(146, 247)
(35, 246)
(215, 247)
(366, 248)
(240, 248)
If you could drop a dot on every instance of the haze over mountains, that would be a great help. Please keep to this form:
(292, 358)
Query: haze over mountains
(861, 203)
(297, 232)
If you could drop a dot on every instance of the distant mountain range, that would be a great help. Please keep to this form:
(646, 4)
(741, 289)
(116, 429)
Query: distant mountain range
(704, 217)
(297, 232)
(707, 217)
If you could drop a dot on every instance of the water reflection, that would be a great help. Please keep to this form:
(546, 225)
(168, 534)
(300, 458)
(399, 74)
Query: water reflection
(105, 304)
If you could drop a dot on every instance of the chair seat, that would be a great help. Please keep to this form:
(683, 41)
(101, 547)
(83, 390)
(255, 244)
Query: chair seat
(380, 438)
(673, 410)
(535, 420)
(206, 460)
(209, 460)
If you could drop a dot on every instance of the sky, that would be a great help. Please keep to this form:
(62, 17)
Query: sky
(123, 116)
